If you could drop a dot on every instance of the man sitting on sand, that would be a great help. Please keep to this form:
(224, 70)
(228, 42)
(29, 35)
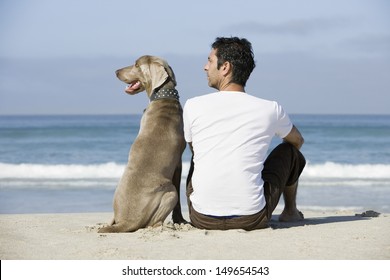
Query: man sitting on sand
(232, 184)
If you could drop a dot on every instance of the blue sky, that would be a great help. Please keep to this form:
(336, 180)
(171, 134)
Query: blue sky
(327, 56)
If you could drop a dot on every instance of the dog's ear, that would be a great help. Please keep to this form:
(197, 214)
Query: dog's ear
(171, 74)
(157, 74)
(158, 71)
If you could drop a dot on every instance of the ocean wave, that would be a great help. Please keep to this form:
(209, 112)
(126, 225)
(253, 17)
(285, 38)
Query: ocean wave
(57, 184)
(331, 170)
(60, 171)
(112, 170)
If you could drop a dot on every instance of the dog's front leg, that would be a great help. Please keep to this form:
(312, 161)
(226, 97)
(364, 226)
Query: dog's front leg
(177, 215)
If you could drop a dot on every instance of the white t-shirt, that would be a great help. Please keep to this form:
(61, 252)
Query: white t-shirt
(230, 133)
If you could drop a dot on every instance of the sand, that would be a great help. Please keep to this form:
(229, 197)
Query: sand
(340, 235)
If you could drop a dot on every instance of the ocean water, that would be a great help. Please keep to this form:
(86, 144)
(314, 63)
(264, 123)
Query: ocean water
(57, 164)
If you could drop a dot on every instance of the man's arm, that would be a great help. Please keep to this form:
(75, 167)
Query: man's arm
(295, 138)
(191, 148)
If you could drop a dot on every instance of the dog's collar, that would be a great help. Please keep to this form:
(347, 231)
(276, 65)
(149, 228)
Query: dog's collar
(165, 93)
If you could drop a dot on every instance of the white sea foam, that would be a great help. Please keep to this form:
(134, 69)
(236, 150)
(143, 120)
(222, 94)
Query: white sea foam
(60, 171)
(345, 171)
(111, 170)
(358, 186)
(107, 175)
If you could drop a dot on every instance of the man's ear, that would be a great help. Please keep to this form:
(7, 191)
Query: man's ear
(226, 68)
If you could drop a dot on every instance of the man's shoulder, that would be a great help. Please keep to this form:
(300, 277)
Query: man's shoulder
(200, 98)
(261, 101)
(241, 98)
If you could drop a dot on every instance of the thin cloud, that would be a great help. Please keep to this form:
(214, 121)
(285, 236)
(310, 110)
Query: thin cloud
(370, 44)
(299, 27)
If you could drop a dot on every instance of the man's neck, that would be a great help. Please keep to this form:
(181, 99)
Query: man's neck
(232, 87)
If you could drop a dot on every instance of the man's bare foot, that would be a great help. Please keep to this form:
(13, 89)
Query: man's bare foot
(291, 216)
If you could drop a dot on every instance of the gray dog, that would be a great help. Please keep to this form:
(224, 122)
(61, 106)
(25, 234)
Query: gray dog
(150, 186)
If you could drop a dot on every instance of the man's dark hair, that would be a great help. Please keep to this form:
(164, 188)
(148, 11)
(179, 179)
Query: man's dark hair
(239, 53)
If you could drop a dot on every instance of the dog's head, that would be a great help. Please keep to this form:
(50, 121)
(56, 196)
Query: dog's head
(148, 73)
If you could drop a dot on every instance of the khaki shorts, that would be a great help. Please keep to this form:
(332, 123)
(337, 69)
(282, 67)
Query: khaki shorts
(282, 168)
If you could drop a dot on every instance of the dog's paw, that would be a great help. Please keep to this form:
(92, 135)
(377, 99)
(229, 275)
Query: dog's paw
(106, 229)
(178, 219)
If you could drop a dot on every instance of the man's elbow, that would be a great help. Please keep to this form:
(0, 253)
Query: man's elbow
(300, 142)
(295, 138)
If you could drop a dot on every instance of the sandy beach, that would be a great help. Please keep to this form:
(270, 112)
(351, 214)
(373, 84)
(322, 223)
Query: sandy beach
(341, 235)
